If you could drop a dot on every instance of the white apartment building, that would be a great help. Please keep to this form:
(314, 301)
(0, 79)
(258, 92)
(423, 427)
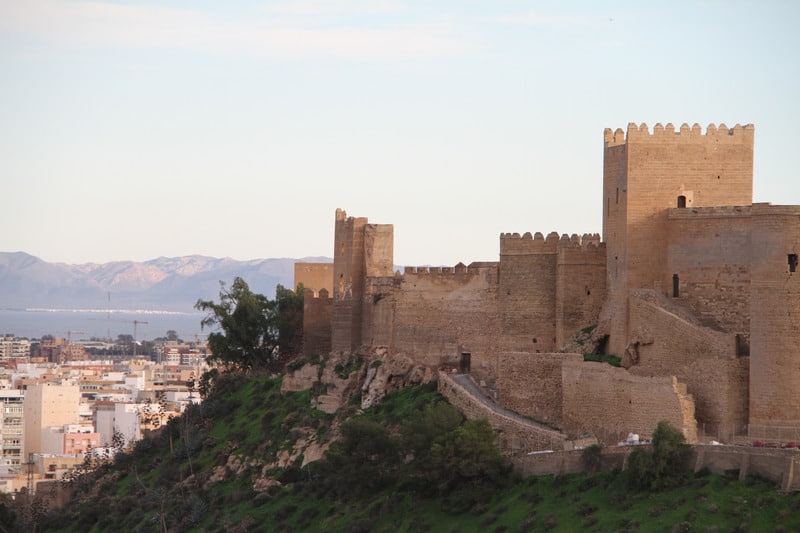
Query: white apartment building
(11, 427)
(11, 346)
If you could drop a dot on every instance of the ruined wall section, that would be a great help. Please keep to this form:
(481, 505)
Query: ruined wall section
(580, 284)
(439, 312)
(527, 292)
(317, 322)
(709, 250)
(314, 276)
(663, 170)
(531, 384)
(610, 402)
(668, 340)
(775, 318)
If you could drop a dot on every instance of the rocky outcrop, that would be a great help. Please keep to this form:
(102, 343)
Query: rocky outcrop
(387, 373)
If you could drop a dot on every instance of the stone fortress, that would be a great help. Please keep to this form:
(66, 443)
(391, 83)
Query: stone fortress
(692, 285)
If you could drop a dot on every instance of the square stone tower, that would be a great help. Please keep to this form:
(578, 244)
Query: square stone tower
(644, 175)
(361, 250)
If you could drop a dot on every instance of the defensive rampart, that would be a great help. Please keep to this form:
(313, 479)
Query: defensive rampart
(667, 340)
(436, 313)
(531, 384)
(781, 466)
(610, 402)
(512, 426)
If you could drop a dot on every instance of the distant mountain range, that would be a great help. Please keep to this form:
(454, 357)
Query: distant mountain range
(166, 283)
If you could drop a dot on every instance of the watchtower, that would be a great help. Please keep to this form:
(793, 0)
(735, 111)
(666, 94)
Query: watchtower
(361, 250)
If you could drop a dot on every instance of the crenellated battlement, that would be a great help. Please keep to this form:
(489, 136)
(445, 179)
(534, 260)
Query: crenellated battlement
(310, 295)
(685, 134)
(459, 270)
(514, 244)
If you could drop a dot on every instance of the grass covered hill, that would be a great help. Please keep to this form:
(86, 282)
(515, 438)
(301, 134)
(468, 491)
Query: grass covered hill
(237, 463)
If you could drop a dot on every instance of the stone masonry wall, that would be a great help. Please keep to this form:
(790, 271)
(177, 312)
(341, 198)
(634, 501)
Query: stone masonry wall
(702, 358)
(531, 384)
(580, 285)
(314, 276)
(440, 312)
(527, 292)
(709, 248)
(536, 439)
(316, 322)
(610, 402)
(779, 466)
(775, 319)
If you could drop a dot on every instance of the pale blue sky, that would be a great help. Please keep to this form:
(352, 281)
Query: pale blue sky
(132, 130)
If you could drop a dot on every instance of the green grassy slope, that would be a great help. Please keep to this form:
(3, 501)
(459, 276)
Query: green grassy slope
(168, 482)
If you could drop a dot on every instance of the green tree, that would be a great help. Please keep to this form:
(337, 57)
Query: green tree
(664, 466)
(289, 306)
(254, 331)
(364, 460)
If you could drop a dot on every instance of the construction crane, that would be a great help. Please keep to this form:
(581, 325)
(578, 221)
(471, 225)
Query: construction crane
(136, 323)
(69, 334)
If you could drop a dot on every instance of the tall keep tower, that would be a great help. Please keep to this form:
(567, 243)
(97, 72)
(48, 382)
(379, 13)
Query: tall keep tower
(644, 175)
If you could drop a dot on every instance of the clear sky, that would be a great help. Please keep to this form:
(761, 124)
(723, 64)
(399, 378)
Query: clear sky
(132, 130)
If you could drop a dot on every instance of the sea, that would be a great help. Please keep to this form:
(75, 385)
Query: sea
(85, 324)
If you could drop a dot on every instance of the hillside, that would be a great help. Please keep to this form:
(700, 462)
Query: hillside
(165, 283)
(238, 463)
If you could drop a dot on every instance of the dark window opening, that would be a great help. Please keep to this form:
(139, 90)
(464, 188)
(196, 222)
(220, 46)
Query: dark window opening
(465, 363)
(742, 345)
(617, 196)
(675, 286)
(681, 201)
(602, 346)
(792, 262)
(535, 340)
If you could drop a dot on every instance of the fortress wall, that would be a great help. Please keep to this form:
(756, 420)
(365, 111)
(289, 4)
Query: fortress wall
(512, 430)
(314, 276)
(527, 292)
(668, 340)
(775, 319)
(316, 322)
(440, 314)
(779, 466)
(580, 285)
(709, 249)
(380, 296)
(702, 358)
(609, 401)
(531, 384)
(719, 388)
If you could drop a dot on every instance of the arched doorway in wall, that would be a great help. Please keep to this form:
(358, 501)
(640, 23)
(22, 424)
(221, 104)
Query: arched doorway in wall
(681, 201)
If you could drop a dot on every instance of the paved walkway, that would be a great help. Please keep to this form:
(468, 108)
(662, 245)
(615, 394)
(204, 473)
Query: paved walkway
(478, 394)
